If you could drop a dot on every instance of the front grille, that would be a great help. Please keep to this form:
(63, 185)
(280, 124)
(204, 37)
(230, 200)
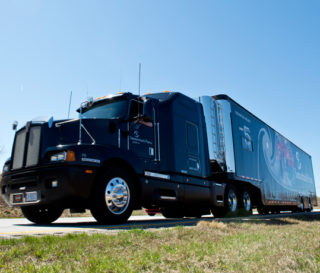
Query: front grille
(26, 148)
(33, 146)
(25, 184)
(19, 146)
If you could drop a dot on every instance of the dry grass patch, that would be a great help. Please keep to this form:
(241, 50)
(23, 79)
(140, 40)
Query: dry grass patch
(279, 245)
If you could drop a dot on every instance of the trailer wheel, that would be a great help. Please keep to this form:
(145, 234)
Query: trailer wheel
(301, 206)
(113, 197)
(310, 208)
(172, 213)
(42, 214)
(245, 202)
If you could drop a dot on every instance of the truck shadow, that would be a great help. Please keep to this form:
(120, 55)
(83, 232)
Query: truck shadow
(274, 220)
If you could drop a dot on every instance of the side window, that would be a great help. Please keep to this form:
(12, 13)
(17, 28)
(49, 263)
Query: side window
(135, 109)
(192, 139)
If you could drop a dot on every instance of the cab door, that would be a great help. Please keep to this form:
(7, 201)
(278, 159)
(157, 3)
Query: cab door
(141, 139)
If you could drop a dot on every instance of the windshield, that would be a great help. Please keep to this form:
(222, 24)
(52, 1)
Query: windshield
(107, 110)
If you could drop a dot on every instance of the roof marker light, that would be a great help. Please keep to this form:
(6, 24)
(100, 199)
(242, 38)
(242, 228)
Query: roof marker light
(166, 91)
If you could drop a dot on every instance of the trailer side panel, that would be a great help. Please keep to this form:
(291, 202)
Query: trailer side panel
(264, 156)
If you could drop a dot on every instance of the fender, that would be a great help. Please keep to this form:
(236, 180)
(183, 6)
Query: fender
(99, 154)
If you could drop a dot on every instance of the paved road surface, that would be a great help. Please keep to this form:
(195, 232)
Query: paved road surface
(15, 228)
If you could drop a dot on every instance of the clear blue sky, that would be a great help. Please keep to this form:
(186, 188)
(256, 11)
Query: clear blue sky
(264, 54)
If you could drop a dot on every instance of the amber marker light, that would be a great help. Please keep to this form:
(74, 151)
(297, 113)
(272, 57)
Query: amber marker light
(88, 171)
(166, 91)
(70, 156)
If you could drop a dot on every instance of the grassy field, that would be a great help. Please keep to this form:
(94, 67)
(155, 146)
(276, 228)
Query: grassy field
(279, 245)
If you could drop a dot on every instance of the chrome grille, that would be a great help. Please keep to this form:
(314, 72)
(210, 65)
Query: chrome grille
(32, 148)
(19, 150)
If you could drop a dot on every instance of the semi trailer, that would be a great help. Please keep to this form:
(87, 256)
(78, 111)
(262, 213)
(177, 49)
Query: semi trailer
(164, 152)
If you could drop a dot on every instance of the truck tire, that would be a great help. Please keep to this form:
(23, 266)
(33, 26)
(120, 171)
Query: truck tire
(42, 214)
(245, 206)
(113, 197)
(301, 205)
(172, 212)
(231, 204)
(310, 208)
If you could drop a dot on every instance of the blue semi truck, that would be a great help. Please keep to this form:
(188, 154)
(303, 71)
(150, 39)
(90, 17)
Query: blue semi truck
(164, 152)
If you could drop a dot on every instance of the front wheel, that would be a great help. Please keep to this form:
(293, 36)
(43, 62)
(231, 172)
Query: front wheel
(42, 214)
(113, 197)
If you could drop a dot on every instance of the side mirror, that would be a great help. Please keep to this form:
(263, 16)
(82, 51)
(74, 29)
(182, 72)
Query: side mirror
(15, 125)
(142, 109)
(90, 101)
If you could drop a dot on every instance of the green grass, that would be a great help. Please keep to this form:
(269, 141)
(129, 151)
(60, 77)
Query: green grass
(279, 245)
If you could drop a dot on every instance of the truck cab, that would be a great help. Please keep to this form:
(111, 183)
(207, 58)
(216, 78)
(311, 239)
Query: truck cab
(124, 152)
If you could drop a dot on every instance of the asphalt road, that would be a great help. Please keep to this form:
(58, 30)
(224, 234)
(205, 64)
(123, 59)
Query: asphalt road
(16, 228)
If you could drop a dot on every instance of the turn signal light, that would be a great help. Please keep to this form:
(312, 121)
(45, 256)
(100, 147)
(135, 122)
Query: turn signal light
(70, 156)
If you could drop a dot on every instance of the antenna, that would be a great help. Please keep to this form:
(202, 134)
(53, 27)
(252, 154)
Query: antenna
(139, 77)
(120, 82)
(69, 104)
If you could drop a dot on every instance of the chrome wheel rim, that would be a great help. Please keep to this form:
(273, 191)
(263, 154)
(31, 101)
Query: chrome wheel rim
(232, 201)
(117, 195)
(246, 201)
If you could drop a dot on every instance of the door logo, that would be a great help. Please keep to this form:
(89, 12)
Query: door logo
(136, 134)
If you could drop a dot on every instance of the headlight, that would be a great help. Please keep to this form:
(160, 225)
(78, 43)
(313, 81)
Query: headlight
(63, 156)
